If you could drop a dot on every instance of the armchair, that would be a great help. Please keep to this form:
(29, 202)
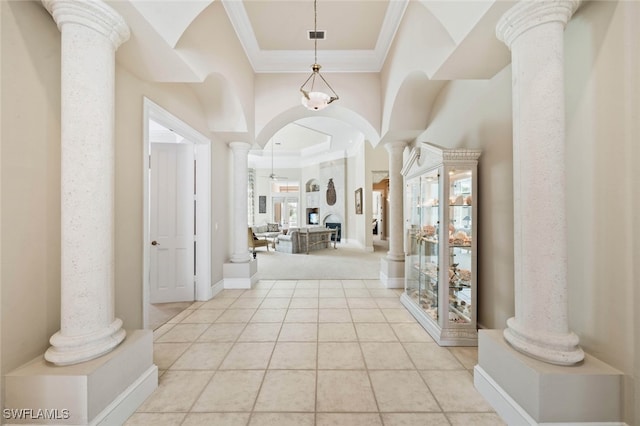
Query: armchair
(255, 242)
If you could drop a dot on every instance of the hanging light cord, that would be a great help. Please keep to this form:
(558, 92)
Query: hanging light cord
(315, 31)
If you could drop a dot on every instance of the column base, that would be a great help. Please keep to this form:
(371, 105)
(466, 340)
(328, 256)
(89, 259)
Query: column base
(392, 272)
(525, 391)
(68, 350)
(560, 349)
(106, 390)
(240, 275)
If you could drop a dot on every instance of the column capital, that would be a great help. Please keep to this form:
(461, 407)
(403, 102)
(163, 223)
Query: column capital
(395, 145)
(528, 14)
(239, 146)
(93, 14)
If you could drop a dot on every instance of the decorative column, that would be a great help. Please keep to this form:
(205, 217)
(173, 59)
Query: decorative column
(392, 266)
(240, 211)
(533, 30)
(91, 32)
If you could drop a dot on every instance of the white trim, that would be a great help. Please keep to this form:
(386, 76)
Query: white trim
(391, 282)
(216, 288)
(509, 410)
(239, 283)
(153, 111)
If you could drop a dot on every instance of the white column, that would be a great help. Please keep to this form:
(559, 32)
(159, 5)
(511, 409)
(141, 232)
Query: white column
(240, 211)
(396, 247)
(533, 30)
(91, 32)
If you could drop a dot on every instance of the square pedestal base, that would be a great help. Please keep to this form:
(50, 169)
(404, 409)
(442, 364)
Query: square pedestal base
(525, 391)
(103, 391)
(392, 273)
(240, 275)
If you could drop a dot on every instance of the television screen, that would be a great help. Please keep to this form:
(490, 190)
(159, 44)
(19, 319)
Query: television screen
(313, 218)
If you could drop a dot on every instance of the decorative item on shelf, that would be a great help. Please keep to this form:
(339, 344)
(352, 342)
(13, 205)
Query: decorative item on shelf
(465, 275)
(459, 200)
(312, 98)
(466, 221)
(429, 230)
(468, 200)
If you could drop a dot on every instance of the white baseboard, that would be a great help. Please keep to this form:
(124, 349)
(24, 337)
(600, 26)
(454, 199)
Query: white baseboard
(510, 411)
(216, 288)
(237, 283)
(128, 401)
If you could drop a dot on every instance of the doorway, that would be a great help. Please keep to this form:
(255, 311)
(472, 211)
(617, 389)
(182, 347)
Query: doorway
(177, 205)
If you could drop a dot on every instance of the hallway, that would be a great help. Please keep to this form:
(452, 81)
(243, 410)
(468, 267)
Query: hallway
(308, 352)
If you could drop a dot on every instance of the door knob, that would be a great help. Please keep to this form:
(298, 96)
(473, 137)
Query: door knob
(155, 243)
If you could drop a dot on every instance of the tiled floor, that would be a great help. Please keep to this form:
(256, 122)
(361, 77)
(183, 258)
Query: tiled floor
(309, 352)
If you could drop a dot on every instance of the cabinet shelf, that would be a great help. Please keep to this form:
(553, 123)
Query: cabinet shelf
(440, 283)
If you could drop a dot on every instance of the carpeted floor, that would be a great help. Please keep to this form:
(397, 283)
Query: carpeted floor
(345, 262)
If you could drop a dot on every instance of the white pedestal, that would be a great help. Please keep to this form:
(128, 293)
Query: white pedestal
(525, 391)
(392, 273)
(240, 275)
(105, 390)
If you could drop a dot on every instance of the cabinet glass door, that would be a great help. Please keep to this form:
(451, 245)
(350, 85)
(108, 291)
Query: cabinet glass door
(428, 243)
(460, 246)
(412, 262)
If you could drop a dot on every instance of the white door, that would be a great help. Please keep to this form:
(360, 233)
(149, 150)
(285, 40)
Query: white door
(172, 223)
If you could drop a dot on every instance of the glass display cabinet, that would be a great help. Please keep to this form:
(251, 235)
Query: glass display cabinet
(441, 243)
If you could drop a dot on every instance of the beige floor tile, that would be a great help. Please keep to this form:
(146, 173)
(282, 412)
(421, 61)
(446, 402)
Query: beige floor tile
(269, 315)
(331, 292)
(294, 356)
(305, 292)
(282, 419)
(230, 391)
(388, 303)
(156, 419)
(160, 331)
(221, 332)
(304, 303)
(302, 315)
(298, 332)
(385, 356)
(475, 419)
(348, 419)
(334, 315)
(336, 332)
(202, 356)
(353, 284)
(230, 294)
(468, 356)
(256, 292)
(180, 316)
(383, 292)
(402, 391)
(236, 315)
(398, 315)
(275, 303)
(367, 315)
(454, 391)
(246, 303)
(356, 292)
(277, 291)
(284, 284)
(165, 354)
(375, 332)
(247, 356)
(264, 284)
(218, 303)
(340, 356)
(411, 333)
(430, 356)
(362, 303)
(208, 419)
(260, 332)
(373, 284)
(332, 302)
(203, 316)
(181, 333)
(308, 284)
(176, 391)
(416, 419)
(345, 391)
(285, 390)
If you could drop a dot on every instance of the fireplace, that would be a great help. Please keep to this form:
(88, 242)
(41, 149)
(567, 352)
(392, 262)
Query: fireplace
(334, 222)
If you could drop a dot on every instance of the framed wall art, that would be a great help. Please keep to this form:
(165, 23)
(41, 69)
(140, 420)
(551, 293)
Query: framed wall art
(359, 201)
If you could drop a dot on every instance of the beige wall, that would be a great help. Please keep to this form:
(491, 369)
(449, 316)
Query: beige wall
(30, 181)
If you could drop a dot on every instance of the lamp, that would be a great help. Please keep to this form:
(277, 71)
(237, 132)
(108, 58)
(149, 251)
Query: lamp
(312, 98)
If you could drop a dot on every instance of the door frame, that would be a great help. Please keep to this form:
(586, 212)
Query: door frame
(203, 289)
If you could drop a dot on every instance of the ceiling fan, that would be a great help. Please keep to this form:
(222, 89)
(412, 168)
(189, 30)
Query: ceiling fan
(273, 176)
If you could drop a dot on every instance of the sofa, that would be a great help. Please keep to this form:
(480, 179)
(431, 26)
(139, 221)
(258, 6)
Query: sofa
(267, 231)
(299, 240)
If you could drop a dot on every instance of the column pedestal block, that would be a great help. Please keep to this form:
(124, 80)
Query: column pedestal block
(525, 391)
(240, 275)
(392, 273)
(106, 390)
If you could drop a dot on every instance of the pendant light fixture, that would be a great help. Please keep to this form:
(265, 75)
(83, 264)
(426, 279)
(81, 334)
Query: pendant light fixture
(312, 97)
